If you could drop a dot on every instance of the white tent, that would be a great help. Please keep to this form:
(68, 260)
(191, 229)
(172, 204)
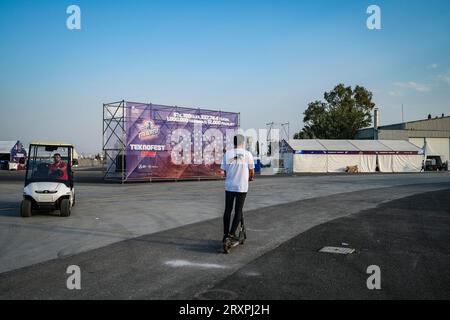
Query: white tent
(341, 153)
(310, 161)
(370, 151)
(336, 155)
(406, 157)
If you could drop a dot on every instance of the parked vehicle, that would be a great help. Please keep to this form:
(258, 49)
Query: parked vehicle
(49, 178)
(434, 163)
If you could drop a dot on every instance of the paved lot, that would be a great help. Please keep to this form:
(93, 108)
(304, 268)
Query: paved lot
(108, 213)
(407, 238)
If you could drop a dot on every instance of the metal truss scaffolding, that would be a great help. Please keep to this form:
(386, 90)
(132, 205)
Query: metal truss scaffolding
(114, 141)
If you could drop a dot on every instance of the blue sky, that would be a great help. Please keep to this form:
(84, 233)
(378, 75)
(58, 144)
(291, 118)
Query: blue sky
(265, 59)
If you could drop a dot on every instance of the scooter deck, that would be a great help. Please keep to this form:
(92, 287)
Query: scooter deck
(228, 244)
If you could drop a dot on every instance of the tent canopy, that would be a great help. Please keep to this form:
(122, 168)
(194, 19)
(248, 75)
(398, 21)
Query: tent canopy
(316, 155)
(401, 145)
(306, 144)
(370, 145)
(353, 146)
(338, 145)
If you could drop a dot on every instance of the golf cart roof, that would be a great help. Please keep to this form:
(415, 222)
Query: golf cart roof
(51, 143)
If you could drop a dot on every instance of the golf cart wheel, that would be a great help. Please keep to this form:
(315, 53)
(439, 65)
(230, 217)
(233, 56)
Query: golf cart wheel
(25, 208)
(65, 207)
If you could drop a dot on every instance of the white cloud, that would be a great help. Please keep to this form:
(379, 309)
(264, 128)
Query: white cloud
(414, 86)
(433, 66)
(395, 93)
(445, 78)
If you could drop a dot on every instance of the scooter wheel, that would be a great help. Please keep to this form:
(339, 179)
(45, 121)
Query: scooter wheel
(226, 246)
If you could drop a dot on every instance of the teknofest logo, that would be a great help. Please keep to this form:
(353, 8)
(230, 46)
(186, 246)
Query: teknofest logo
(148, 130)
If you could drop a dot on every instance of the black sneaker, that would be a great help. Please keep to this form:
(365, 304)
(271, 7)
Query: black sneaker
(230, 237)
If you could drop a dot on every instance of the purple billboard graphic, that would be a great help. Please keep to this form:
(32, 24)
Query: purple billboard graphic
(165, 142)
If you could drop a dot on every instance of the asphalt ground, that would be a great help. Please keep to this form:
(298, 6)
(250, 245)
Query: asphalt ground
(406, 236)
(109, 213)
(408, 239)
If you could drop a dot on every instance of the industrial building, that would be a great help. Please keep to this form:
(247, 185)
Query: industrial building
(432, 134)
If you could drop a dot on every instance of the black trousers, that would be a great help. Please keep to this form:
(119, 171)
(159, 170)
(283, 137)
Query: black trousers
(237, 199)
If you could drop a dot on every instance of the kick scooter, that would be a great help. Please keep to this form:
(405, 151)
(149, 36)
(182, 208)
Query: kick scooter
(229, 243)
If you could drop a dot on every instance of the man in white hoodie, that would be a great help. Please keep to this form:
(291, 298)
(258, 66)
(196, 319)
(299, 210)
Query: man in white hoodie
(239, 168)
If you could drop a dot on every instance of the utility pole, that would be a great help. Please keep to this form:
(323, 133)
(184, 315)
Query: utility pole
(269, 140)
(270, 125)
(375, 123)
(286, 133)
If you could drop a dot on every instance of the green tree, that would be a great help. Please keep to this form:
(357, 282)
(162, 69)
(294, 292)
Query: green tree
(344, 111)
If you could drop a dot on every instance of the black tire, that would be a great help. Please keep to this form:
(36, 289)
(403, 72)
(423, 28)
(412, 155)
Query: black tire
(65, 208)
(226, 246)
(242, 235)
(242, 239)
(25, 208)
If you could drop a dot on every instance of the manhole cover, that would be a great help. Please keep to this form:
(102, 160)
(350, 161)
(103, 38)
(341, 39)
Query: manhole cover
(337, 250)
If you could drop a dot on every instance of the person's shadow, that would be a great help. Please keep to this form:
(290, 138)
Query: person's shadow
(202, 245)
(187, 244)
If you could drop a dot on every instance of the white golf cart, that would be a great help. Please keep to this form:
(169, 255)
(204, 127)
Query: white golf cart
(49, 178)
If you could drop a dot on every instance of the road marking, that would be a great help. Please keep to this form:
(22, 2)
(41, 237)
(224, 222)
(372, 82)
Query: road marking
(185, 263)
(260, 230)
(338, 250)
(252, 274)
